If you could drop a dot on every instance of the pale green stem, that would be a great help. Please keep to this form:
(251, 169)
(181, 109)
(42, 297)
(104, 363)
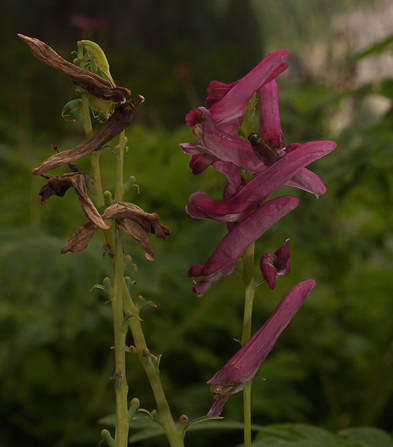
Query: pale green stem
(120, 331)
(151, 367)
(249, 282)
(121, 386)
(95, 156)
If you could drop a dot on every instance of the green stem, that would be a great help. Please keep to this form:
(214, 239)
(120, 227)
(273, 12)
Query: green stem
(150, 365)
(249, 282)
(121, 386)
(119, 189)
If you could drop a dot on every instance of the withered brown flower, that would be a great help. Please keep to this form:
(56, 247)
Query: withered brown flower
(58, 185)
(93, 83)
(119, 121)
(131, 219)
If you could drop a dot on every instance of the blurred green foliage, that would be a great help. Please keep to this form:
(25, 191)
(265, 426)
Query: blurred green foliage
(333, 366)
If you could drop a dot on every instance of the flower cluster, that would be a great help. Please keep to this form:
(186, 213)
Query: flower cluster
(254, 168)
(263, 156)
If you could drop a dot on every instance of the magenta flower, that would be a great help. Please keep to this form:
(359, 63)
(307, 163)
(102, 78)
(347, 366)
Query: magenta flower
(234, 244)
(242, 367)
(201, 206)
(276, 264)
(218, 142)
(228, 103)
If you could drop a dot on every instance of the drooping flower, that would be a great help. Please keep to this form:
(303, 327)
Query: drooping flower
(242, 367)
(234, 244)
(131, 219)
(119, 121)
(276, 264)
(58, 185)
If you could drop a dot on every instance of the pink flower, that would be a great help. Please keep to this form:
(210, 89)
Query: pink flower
(276, 264)
(232, 247)
(242, 367)
(228, 103)
(201, 206)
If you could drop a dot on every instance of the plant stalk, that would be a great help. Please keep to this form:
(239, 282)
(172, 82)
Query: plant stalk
(150, 364)
(250, 285)
(121, 386)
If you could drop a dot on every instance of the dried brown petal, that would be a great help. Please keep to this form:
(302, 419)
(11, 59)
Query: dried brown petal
(119, 121)
(80, 239)
(137, 224)
(58, 185)
(149, 221)
(138, 234)
(91, 82)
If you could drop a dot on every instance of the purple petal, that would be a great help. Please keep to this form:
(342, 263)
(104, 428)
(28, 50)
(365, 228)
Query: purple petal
(269, 116)
(218, 405)
(201, 206)
(233, 104)
(234, 244)
(233, 176)
(242, 367)
(216, 90)
(200, 162)
(191, 148)
(269, 272)
(308, 181)
(276, 264)
(222, 145)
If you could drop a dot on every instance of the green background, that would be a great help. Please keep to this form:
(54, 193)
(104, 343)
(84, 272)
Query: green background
(333, 366)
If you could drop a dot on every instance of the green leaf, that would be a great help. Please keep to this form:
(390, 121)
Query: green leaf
(72, 110)
(367, 437)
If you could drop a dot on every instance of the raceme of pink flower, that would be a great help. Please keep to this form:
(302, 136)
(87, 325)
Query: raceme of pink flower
(237, 240)
(276, 264)
(242, 367)
(201, 206)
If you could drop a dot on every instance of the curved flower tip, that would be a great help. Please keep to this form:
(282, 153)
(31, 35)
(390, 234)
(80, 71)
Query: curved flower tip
(242, 367)
(231, 248)
(276, 264)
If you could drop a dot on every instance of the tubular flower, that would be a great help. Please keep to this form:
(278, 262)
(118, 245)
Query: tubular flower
(276, 264)
(242, 367)
(201, 206)
(234, 244)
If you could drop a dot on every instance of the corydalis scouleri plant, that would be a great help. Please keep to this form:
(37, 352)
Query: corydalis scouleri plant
(255, 164)
(99, 96)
